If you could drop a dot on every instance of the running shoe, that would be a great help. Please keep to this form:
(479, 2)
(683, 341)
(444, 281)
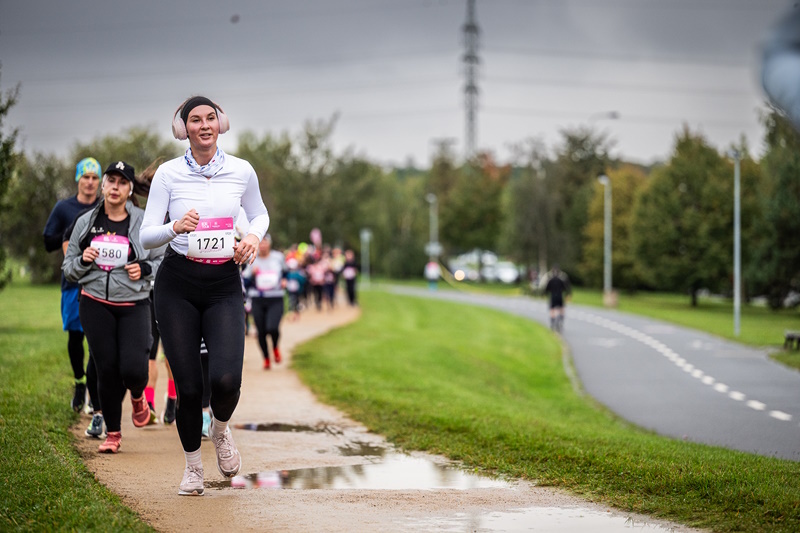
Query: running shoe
(277, 353)
(192, 483)
(206, 424)
(153, 418)
(95, 428)
(266, 364)
(112, 444)
(228, 459)
(79, 398)
(141, 412)
(168, 416)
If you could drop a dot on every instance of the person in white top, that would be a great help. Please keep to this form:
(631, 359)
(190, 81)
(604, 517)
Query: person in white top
(265, 281)
(198, 292)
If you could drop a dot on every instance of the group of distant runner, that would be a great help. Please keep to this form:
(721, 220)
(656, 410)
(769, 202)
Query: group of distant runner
(185, 272)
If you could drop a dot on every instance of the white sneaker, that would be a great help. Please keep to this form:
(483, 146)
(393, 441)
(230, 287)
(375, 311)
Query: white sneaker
(192, 484)
(228, 459)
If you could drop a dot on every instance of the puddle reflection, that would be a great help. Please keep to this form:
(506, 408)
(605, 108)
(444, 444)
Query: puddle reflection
(289, 428)
(562, 519)
(394, 472)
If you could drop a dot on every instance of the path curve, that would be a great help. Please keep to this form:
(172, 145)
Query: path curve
(676, 381)
(148, 469)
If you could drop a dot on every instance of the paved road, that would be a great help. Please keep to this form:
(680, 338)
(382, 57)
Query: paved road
(673, 380)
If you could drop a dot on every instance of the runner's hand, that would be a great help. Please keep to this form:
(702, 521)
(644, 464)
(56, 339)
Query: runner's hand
(134, 271)
(245, 250)
(187, 223)
(90, 254)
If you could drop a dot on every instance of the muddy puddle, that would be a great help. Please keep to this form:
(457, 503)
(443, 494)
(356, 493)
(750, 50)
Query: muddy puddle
(385, 469)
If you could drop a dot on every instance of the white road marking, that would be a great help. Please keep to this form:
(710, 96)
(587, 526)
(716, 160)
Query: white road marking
(680, 362)
(780, 415)
(605, 343)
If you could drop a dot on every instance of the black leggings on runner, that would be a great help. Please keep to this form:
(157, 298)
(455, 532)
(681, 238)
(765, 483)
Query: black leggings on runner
(195, 300)
(119, 337)
(267, 314)
(76, 357)
(153, 330)
(76, 353)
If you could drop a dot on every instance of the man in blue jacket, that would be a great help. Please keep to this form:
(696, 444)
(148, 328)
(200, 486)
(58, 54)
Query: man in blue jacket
(87, 176)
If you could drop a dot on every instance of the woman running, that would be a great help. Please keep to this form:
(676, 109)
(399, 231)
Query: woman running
(265, 284)
(114, 271)
(198, 291)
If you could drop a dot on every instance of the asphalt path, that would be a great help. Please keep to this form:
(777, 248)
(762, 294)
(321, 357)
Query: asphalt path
(672, 380)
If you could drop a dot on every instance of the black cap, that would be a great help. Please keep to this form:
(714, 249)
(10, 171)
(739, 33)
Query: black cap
(123, 169)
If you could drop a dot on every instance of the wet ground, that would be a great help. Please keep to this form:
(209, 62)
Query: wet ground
(307, 467)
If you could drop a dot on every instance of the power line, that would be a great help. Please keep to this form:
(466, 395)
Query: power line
(618, 57)
(582, 116)
(621, 86)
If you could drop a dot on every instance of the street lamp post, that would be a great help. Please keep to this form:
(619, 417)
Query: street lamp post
(737, 244)
(433, 247)
(366, 236)
(608, 295)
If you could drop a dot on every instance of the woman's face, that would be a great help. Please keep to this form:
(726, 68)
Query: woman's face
(116, 190)
(264, 247)
(202, 127)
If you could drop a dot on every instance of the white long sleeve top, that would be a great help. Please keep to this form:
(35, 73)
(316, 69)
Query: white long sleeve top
(176, 189)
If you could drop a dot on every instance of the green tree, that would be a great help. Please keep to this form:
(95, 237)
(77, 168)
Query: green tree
(306, 185)
(138, 146)
(472, 215)
(7, 157)
(582, 156)
(398, 218)
(39, 182)
(529, 223)
(681, 232)
(275, 165)
(626, 182)
(774, 266)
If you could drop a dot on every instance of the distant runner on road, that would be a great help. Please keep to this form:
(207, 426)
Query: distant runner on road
(558, 288)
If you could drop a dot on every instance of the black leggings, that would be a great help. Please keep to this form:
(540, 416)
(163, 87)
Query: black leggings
(318, 295)
(153, 329)
(267, 314)
(194, 301)
(119, 338)
(76, 353)
(76, 357)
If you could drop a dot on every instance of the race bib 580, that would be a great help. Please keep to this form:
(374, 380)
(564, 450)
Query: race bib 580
(113, 251)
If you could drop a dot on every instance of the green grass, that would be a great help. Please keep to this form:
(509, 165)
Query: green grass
(477, 385)
(490, 389)
(760, 326)
(44, 485)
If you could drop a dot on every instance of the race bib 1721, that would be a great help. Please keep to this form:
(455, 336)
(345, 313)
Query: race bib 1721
(212, 241)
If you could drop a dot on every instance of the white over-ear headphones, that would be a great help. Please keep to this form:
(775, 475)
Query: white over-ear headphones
(179, 127)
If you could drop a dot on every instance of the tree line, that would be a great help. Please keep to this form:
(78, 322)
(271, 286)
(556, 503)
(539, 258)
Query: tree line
(672, 222)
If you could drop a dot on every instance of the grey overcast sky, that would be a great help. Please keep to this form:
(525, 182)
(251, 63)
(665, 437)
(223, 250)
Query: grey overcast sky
(391, 69)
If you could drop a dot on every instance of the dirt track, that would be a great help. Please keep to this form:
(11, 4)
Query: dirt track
(148, 469)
